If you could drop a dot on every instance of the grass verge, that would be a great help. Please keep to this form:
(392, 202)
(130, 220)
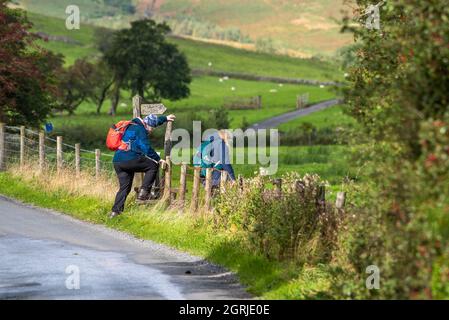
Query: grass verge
(263, 278)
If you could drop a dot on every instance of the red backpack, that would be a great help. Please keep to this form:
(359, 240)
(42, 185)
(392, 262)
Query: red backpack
(114, 139)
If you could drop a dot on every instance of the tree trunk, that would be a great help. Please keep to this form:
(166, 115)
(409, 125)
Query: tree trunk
(103, 96)
(115, 100)
(100, 103)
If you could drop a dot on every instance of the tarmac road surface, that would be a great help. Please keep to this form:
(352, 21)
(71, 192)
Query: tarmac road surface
(289, 116)
(47, 255)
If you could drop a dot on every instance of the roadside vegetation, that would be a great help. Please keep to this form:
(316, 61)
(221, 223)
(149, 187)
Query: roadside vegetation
(193, 233)
(398, 93)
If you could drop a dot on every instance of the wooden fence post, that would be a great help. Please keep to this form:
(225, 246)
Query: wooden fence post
(223, 181)
(207, 200)
(167, 141)
(22, 146)
(300, 188)
(59, 156)
(321, 198)
(137, 102)
(97, 163)
(278, 184)
(41, 151)
(341, 200)
(167, 181)
(183, 185)
(241, 183)
(167, 147)
(196, 189)
(2, 147)
(77, 159)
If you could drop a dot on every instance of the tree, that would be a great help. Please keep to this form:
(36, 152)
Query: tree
(76, 84)
(27, 72)
(145, 63)
(103, 39)
(102, 80)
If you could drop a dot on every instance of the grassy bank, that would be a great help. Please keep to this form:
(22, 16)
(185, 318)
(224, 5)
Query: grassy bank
(263, 278)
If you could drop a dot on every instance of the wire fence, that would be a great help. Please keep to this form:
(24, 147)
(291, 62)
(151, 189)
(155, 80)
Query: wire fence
(19, 146)
(22, 144)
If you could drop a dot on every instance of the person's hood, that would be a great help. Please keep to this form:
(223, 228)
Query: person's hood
(137, 121)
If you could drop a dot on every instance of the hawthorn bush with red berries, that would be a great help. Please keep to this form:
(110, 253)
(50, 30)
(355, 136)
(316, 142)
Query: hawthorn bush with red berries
(399, 92)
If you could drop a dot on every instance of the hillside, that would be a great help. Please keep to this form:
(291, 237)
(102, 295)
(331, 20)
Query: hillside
(199, 54)
(307, 26)
(298, 27)
(206, 92)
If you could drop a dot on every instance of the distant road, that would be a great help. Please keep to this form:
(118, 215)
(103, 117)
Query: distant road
(289, 116)
(41, 252)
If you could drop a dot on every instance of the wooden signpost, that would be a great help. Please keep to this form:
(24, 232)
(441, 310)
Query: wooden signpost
(158, 108)
(140, 110)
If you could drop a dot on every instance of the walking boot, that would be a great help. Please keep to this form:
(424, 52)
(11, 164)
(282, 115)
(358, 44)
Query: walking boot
(144, 195)
(113, 214)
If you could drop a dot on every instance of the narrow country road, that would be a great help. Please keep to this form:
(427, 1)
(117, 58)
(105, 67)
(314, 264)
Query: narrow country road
(42, 253)
(286, 117)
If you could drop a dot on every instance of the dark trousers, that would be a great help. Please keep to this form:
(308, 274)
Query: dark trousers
(125, 173)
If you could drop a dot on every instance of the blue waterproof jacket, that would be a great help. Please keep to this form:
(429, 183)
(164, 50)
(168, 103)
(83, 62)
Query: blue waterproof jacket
(137, 136)
(217, 154)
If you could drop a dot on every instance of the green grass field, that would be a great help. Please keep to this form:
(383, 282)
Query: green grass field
(208, 93)
(225, 58)
(56, 27)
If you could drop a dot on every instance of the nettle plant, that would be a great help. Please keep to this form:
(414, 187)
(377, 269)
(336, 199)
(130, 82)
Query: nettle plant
(287, 224)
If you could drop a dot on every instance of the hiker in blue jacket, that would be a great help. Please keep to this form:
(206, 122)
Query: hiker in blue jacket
(214, 153)
(140, 157)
